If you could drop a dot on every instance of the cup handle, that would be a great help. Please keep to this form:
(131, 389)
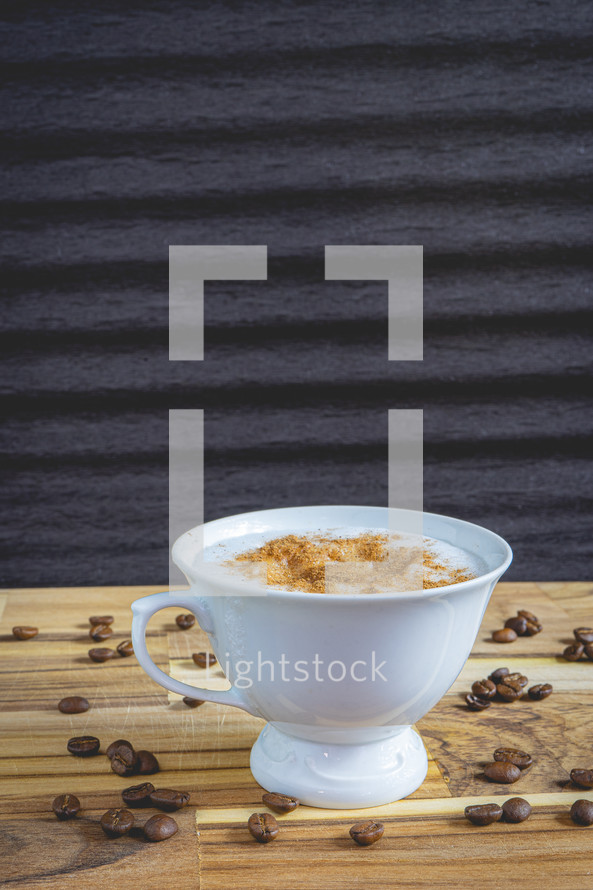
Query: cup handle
(143, 609)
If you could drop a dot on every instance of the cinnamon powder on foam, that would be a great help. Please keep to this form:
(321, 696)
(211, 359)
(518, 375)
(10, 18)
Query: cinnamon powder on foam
(298, 563)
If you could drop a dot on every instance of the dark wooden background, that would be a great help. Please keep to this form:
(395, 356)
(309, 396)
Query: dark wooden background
(131, 126)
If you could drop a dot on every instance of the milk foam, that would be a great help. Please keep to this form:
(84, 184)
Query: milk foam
(360, 576)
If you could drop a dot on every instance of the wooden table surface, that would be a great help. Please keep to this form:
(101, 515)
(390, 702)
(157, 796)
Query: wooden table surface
(427, 841)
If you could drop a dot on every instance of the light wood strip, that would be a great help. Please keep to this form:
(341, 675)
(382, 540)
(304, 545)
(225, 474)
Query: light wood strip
(409, 808)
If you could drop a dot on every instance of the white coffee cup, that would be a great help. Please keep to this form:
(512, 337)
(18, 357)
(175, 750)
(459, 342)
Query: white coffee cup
(377, 663)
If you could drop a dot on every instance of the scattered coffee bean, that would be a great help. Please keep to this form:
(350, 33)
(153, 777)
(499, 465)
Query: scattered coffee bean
(503, 772)
(116, 822)
(504, 635)
(483, 814)
(542, 690)
(574, 652)
(581, 812)
(125, 648)
(25, 633)
(518, 624)
(532, 629)
(124, 760)
(367, 833)
(84, 745)
(100, 632)
(185, 621)
(263, 827)
(476, 704)
(523, 613)
(499, 674)
(73, 704)
(138, 795)
(484, 689)
(168, 799)
(115, 745)
(582, 777)
(280, 803)
(192, 702)
(520, 679)
(101, 619)
(204, 659)
(583, 634)
(516, 809)
(513, 755)
(514, 684)
(159, 828)
(589, 651)
(66, 806)
(147, 763)
(508, 692)
(100, 655)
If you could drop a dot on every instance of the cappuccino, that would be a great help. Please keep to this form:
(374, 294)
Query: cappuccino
(353, 560)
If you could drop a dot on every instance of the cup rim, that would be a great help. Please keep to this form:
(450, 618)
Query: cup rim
(241, 586)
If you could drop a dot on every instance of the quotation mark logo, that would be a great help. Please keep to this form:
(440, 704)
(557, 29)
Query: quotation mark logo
(190, 266)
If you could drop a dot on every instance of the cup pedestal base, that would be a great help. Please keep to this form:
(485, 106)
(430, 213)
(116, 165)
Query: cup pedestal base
(338, 775)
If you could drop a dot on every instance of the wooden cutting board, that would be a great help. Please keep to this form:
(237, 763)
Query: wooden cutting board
(427, 841)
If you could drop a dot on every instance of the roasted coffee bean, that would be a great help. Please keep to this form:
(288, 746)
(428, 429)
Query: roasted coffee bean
(280, 803)
(583, 634)
(523, 613)
(513, 684)
(509, 693)
(115, 745)
(100, 655)
(204, 659)
(185, 621)
(542, 690)
(589, 651)
(124, 761)
(167, 799)
(125, 648)
(476, 704)
(100, 632)
(192, 702)
(582, 777)
(520, 679)
(159, 828)
(116, 822)
(581, 812)
(502, 771)
(73, 704)
(84, 745)
(484, 814)
(518, 624)
(513, 755)
(101, 619)
(532, 629)
(138, 795)
(66, 806)
(147, 763)
(574, 652)
(367, 833)
(25, 633)
(516, 809)
(484, 689)
(504, 635)
(499, 674)
(263, 827)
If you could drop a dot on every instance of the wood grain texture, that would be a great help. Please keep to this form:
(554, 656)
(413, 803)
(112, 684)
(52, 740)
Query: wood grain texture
(427, 841)
(130, 127)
